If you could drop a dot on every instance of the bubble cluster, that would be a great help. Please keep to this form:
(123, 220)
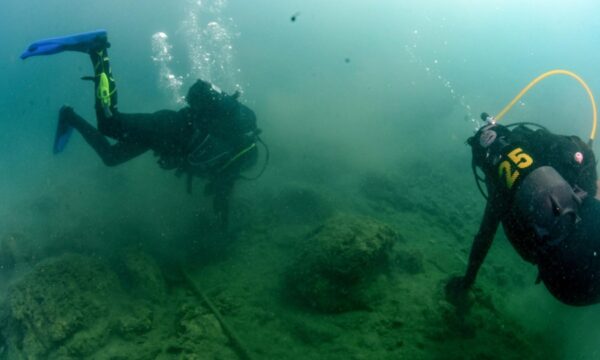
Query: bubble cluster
(162, 56)
(432, 70)
(209, 37)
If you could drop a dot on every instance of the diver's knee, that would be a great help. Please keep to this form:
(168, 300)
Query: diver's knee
(66, 109)
(107, 129)
(66, 114)
(110, 161)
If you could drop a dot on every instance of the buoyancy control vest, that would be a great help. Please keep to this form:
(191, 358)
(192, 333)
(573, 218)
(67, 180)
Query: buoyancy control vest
(506, 156)
(222, 141)
(221, 138)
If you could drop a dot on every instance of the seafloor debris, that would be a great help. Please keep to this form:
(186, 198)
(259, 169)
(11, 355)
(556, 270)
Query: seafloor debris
(336, 262)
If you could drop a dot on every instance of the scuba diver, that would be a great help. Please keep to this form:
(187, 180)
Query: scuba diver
(541, 187)
(214, 137)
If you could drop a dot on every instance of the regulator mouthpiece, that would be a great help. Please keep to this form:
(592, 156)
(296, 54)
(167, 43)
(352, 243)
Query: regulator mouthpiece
(488, 118)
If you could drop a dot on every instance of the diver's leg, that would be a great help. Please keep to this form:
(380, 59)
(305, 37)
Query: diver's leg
(571, 269)
(110, 154)
(105, 94)
(221, 185)
(223, 188)
(152, 129)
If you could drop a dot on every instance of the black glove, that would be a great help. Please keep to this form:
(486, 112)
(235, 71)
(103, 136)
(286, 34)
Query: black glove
(457, 290)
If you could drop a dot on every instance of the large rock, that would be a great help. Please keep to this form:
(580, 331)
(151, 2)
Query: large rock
(337, 260)
(143, 276)
(199, 335)
(62, 297)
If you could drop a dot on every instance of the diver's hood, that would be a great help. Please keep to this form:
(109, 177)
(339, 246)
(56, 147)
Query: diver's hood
(203, 94)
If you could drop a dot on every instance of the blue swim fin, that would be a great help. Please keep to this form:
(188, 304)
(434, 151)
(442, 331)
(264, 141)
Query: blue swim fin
(84, 42)
(63, 134)
(63, 131)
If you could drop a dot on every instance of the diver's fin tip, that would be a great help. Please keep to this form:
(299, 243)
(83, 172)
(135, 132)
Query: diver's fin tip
(82, 42)
(63, 130)
(61, 139)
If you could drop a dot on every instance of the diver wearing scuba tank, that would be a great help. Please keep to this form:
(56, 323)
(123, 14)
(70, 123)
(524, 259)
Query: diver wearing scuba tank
(540, 187)
(214, 137)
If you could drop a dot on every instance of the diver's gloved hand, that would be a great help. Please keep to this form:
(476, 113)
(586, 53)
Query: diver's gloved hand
(457, 291)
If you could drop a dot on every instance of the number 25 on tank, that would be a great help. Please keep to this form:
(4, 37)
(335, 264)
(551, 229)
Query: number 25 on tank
(517, 159)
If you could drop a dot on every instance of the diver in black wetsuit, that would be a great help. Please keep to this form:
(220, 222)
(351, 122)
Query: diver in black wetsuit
(214, 137)
(542, 188)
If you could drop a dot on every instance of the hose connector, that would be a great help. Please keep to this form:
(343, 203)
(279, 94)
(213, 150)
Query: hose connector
(488, 118)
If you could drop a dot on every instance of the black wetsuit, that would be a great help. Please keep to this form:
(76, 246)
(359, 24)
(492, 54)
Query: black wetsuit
(216, 141)
(541, 187)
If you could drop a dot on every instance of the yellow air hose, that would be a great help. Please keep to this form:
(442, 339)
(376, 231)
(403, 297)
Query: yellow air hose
(542, 77)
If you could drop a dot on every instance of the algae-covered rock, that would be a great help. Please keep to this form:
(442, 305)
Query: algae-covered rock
(336, 262)
(59, 298)
(143, 276)
(135, 322)
(84, 342)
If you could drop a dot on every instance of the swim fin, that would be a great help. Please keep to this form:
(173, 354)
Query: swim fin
(63, 130)
(83, 42)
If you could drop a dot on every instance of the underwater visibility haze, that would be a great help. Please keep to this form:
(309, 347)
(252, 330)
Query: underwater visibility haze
(342, 248)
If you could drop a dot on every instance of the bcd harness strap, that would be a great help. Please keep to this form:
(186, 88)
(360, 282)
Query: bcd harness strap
(193, 159)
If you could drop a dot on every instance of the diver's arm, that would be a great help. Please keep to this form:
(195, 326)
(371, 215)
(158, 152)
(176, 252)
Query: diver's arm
(457, 286)
(481, 244)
